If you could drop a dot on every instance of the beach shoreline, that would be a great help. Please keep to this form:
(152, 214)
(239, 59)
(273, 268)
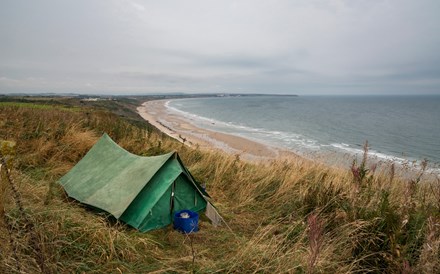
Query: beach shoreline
(184, 131)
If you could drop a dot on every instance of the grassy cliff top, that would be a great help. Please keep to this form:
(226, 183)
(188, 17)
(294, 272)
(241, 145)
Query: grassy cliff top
(287, 215)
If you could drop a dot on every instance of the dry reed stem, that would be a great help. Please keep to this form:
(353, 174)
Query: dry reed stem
(429, 259)
(315, 233)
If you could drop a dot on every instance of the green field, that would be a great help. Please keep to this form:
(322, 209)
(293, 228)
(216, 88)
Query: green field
(38, 106)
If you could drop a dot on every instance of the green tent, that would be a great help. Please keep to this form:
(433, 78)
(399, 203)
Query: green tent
(143, 192)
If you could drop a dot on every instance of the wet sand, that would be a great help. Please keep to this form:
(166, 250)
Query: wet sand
(181, 129)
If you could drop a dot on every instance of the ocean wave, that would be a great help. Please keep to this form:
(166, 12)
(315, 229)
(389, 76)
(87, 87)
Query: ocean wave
(210, 122)
(413, 164)
(372, 153)
(274, 138)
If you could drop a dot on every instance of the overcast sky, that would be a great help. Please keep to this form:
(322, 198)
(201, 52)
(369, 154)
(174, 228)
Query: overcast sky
(292, 46)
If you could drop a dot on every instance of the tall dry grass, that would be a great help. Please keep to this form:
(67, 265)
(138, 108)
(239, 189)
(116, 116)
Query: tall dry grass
(286, 215)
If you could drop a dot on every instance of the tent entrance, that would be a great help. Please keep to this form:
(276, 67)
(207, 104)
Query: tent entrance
(185, 195)
(173, 187)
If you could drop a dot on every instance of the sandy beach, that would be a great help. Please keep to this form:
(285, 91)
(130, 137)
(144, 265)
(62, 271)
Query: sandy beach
(181, 129)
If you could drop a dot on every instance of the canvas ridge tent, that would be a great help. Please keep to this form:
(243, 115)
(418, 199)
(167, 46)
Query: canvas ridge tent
(143, 192)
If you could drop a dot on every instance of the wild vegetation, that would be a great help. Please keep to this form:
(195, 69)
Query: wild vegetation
(286, 215)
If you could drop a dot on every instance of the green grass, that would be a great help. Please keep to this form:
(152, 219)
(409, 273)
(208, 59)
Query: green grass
(38, 106)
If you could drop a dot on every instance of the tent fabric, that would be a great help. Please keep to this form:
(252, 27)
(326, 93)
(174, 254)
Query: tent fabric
(144, 192)
(213, 215)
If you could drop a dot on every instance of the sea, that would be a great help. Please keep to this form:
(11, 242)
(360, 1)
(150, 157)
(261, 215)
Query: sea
(399, 129)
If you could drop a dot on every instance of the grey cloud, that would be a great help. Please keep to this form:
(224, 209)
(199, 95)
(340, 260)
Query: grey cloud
(297, 46)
